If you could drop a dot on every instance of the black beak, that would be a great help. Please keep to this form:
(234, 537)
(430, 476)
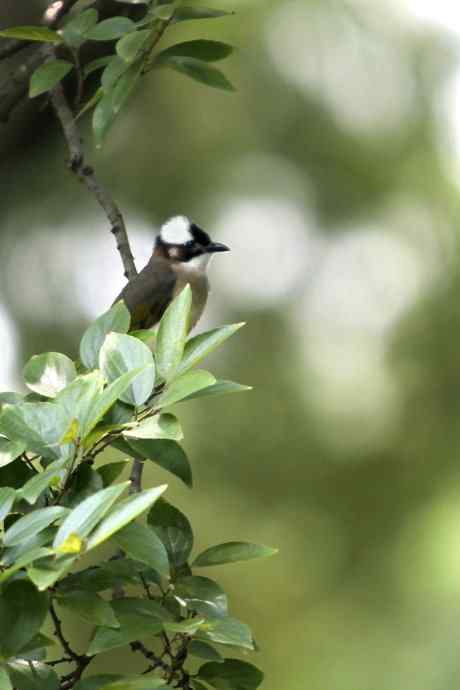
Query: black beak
(216, 247)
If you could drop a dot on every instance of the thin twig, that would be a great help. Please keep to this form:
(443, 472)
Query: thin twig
(60, 635)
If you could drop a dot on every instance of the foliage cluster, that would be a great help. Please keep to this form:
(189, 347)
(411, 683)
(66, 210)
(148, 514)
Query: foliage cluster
(59, 502)
(134, 55)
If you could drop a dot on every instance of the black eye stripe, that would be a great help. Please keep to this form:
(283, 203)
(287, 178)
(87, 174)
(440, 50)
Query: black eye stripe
(200, 235)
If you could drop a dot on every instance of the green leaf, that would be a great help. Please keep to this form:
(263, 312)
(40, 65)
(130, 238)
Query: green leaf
(94, 65)
(90, 607)
(203, 595)
(10, 398)
(107, 576)
(112, 73)
(5, 682)
(116, 319)
(84, 518)
(174, 530)
(26, 559)
(49, 373)
(103, 118)
(110, 29)
(35, 486)
(84, 482)
(10, 450)
(96, 682)
(203, 650)
(159, 426)
(46, 572)
(38, 643)
(7, 498)
(227, 631)
(137, 683)
(172, 333)
(135, 623)
(232, 552)
(32, 523)
(47, 76)
(15, 553)
(124, 513)
(110, 472)
(199, 71)
(167, 454)
(39, 425)
(209, 51)
(22, 613)
(165, 11)
(129, 47)
(122, 353)
(199, 347)
(232, 674)
(186, 13)
(188, 627)
(220, 388)
(32, 675)
(32, 33)
(142, 543)
(184, 386)
(74, 31)
(125, 86)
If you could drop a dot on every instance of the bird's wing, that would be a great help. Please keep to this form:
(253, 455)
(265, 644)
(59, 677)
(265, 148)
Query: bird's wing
(149, 293)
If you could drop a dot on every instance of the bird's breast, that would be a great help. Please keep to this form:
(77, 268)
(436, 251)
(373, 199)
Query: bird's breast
(199, 284)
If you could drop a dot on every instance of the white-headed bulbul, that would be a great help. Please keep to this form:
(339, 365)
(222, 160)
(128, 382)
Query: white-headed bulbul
(181, 255)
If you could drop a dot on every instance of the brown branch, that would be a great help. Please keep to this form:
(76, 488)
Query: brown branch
(87, 175)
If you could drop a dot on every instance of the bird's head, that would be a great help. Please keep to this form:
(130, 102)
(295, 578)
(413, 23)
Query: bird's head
(181, 240)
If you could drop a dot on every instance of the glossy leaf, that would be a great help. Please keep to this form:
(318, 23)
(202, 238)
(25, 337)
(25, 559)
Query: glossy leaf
(35, 486)
(15, 553)
(135, 624)
(186, 13)
(22, 614)
(5, 680)
(123, 88)
(46, 572)
(122, 353)
(96, 682)
(26, 559)
(10, 450)
(74, 31)
(49, 373)
(110, 472)
(115, 319)
(188, 627)
(137, 683)
(202, 595)
(143, 544)
(199, 71)
(184, 386)
(112, 73)
(232, 674)
(220, 388)
(232, 552)
(39, 425)
(227, 631)
(174, 530)
(172, 333)
(7, 498)
(203, 650)
(160, 426)
(32, 33)
(95, 65)
(201, 345)
(110, 29)
(166, 453)
(32, 523)
(47, 76)
(32, 675)
(201, 49)
(124, 513)
(84, 518)
(129, 47)
(90, 607)
(165, 11)
(103, 118)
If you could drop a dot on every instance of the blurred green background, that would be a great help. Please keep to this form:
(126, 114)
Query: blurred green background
(332, 173)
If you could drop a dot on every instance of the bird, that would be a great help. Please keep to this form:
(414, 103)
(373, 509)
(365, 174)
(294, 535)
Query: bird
(181, 255)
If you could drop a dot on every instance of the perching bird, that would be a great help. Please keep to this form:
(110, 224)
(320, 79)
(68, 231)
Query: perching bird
(181, 255)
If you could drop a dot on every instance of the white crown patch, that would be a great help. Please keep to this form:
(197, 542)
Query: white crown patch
(176, 230)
